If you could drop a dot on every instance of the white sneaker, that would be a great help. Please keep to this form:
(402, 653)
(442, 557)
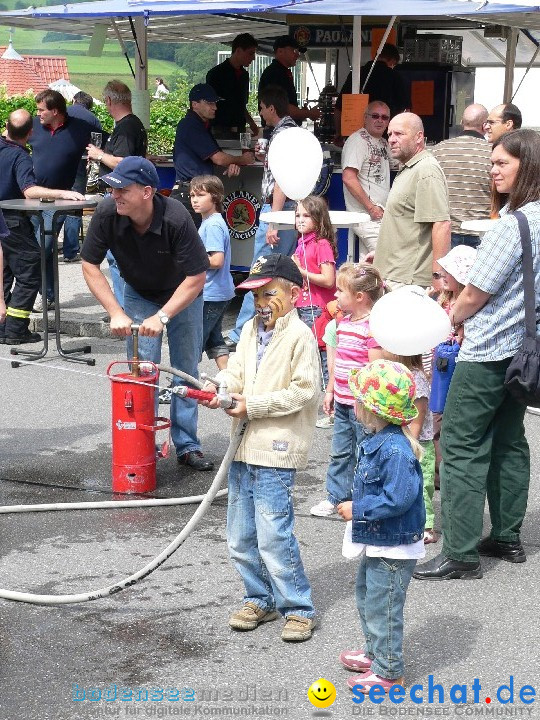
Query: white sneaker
(38, 305)
(326, 422)
(323, 509)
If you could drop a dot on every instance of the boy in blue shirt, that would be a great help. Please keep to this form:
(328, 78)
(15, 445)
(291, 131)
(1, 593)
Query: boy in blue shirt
(206, 193)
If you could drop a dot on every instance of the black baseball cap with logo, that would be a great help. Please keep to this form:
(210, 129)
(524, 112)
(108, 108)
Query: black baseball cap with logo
(284, 41)
(269, 267)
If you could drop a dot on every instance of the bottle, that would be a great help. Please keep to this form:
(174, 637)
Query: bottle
(443, 368)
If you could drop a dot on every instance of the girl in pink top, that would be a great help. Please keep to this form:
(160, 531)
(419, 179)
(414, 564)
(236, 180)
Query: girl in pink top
(315, 256)
(359, 286)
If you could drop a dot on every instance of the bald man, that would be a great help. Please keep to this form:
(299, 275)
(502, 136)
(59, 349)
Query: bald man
(415, 228)
(22, 258)
(466, 163)
(502, 119)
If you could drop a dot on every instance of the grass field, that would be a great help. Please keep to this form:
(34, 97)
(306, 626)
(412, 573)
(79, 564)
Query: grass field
(89, 73)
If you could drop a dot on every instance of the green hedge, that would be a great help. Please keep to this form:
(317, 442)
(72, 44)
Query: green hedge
(164, 115)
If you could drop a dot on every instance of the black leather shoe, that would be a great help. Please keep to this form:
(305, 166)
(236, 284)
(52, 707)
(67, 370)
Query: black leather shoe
(444, 568)
(196, 460)
(509, 551)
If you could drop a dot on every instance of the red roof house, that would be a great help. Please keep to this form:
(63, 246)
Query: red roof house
(29, 72)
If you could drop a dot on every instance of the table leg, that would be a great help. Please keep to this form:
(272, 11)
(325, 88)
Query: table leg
(38, 354)
(65, 353)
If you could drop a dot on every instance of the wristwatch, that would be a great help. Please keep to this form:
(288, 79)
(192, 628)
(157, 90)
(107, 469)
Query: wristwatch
(163, 317)
(100, 157)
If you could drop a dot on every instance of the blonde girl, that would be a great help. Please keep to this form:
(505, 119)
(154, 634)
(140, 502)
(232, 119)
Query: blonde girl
(359, 286)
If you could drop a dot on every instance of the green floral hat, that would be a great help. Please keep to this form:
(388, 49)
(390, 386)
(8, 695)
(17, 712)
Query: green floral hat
(387, 389)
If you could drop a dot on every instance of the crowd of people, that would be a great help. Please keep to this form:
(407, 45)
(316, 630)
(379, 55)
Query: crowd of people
(304, 326)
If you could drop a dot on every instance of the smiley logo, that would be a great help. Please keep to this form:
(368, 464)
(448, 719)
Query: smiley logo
(321, 693)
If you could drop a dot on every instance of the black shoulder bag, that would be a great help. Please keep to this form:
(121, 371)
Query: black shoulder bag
(522, 378)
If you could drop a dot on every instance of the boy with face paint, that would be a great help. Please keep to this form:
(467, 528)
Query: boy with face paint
(274, 378)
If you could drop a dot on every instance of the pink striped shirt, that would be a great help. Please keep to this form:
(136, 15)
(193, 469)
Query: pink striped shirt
(353, 342)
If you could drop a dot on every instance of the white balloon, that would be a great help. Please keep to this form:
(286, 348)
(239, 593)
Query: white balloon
(295, 158)
(408, 322)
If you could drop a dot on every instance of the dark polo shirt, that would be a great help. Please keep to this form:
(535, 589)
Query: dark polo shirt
(233, 87)
(194, 146)
(129, 137)
(56, 155)
(277, 74)
(155, 263)
(384, 84)
(17, 170)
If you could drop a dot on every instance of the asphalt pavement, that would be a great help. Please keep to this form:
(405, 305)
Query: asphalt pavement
(163, 647)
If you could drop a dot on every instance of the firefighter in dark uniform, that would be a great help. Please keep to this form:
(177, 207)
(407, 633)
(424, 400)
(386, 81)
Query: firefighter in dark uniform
(22, 259)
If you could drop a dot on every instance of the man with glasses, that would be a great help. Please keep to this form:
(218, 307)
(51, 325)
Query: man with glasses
(502, 119)
(385, 84)
(286, 53)
(195, 149)
(366, 173)
(466, 163)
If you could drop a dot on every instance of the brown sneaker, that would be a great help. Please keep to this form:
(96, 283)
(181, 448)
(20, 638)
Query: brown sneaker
(250, 616)
(297, 628)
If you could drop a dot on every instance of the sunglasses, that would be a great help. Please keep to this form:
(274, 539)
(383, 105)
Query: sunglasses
(378, 116)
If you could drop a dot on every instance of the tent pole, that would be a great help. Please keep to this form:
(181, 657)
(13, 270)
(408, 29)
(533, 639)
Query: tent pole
(328, 68)
(511, 45)
(140, 96)
(356, 53)
(141, 66)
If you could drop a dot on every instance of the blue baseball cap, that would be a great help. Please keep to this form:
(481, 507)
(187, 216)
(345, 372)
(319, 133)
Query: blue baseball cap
(203, 91)
(130, 170)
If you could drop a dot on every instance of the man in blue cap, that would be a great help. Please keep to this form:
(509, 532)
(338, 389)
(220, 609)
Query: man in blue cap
(195, 149)
(163, 262)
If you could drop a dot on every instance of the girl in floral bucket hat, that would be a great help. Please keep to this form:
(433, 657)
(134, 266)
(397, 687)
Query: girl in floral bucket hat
(385, 520)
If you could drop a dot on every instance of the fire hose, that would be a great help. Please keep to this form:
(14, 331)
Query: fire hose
(204, 500)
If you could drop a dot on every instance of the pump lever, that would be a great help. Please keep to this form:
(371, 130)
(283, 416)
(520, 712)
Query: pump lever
(135, 360)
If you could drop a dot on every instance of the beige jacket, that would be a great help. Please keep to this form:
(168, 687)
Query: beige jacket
(282, 395)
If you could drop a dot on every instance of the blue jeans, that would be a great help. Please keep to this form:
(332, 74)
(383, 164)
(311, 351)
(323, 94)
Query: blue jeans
(381, 587)
(213, 342)
(72, 230)
(286, 246)
(118, 282)
(184, 332)
(464, 239)
(47, 224)
(260, 536)
(307, 315)
(348, 434)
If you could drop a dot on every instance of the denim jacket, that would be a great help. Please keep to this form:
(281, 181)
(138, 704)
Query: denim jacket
(388, 504)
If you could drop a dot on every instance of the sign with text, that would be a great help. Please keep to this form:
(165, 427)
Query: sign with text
(335, 36)
(352, 113)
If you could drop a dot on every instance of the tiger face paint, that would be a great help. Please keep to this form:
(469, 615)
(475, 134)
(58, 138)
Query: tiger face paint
(273, 301)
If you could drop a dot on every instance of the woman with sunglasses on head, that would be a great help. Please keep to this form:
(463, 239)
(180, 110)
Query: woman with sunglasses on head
(484, 449)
